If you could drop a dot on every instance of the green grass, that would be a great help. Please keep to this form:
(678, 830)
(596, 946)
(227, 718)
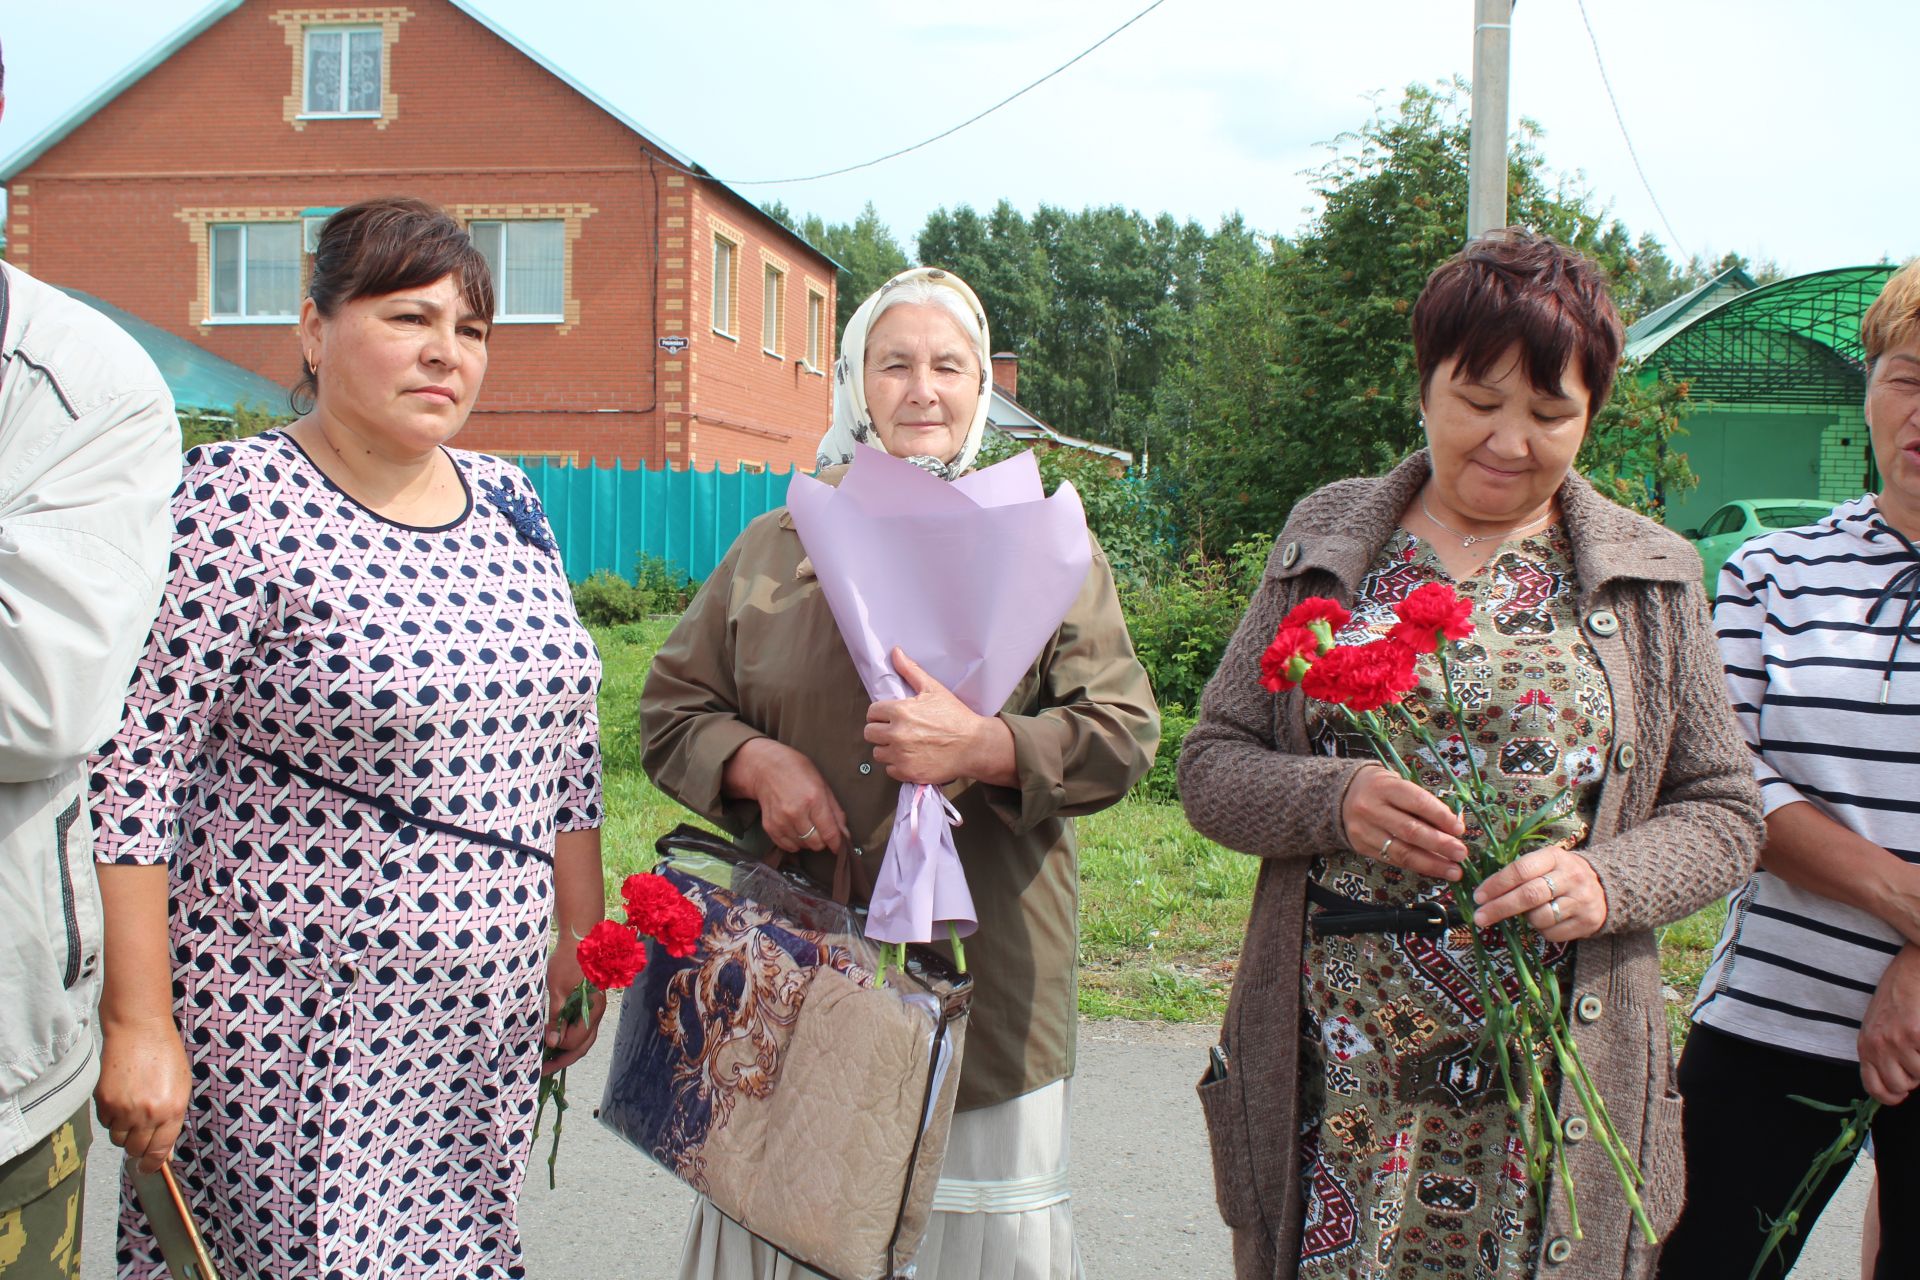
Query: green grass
(1686, 948)
(1162, 910)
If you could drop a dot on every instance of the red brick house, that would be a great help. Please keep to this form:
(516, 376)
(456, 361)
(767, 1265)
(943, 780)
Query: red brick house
(647, 313)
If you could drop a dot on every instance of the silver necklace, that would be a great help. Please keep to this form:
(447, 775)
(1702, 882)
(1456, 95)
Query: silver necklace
(1468, 539)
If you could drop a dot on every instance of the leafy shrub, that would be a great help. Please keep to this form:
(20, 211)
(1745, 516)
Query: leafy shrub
(606, 599)
(1116, 511)
(665, 582)
(1182, 620)
(1162, 782)
(203, 426)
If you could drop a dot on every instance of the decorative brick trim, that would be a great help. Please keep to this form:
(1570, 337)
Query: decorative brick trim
(294, 24)
(573, 215)
(817, 290)
(198, 219)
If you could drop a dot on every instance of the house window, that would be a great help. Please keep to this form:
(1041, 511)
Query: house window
(528, 261)
(726, 275)
(773, 314)
(256, 270)
(816, 330)
(343, 71)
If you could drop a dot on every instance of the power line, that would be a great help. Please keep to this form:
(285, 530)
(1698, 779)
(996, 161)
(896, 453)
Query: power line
(1600, 62)
(973, 119)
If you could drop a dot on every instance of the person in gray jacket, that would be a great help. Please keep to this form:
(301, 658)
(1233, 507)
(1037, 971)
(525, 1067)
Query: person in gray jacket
(89, 453)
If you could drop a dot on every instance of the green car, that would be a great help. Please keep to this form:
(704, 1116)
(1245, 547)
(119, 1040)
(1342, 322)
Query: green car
(1745, 518)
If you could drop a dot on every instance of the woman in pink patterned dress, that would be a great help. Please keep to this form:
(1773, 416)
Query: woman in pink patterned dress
(356, 784)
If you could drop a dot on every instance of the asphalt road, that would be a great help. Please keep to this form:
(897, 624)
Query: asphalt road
(1142, 1187)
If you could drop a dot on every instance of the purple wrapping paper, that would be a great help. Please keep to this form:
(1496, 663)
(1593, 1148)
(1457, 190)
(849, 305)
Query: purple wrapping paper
(970, 579)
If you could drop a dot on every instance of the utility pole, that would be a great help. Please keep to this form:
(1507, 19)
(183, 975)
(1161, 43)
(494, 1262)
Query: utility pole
(1487, 145)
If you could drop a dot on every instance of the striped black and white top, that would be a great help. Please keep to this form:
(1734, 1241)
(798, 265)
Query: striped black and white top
(1830, 704)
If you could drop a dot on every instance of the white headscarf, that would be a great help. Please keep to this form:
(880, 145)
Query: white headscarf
(852, 422)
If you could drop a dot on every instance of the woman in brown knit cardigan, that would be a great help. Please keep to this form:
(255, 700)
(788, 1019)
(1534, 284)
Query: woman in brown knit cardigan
(1358, 1128)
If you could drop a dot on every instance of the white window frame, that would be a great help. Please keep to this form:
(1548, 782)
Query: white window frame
(346, 34)
(816, 331)
(500, 314)
(773, 321)
(213, 267)
(726, 293)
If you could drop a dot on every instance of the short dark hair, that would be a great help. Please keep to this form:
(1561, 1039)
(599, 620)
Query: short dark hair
(382, 246)
(1512, 287)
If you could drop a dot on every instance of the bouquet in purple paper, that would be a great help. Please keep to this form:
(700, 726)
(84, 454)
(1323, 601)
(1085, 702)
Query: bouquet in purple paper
(970, 579)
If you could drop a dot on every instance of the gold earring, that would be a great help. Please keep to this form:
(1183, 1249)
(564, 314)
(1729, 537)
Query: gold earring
(313, 366)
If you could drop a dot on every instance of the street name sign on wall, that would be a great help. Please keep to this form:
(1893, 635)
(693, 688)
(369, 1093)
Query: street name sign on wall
(674, 344)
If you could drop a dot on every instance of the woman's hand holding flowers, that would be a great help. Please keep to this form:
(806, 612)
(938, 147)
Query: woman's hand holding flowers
(1555, 874)
(568, 1037)
(1399, 822)
(1501, 877)
(933, 737)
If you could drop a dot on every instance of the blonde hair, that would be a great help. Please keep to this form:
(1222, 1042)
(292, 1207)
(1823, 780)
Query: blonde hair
(1894, 318)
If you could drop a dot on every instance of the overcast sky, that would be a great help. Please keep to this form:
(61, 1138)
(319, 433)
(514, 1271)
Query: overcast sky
(1779, 130)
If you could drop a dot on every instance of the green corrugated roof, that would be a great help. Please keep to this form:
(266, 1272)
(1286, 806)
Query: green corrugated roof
(197, 378)
(1792, 342)
(1645, 335)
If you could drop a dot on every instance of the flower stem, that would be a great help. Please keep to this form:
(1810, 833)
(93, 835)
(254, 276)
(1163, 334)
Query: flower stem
(1840, 1153)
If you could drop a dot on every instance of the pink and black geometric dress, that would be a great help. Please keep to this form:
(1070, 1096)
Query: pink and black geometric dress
(353, 742)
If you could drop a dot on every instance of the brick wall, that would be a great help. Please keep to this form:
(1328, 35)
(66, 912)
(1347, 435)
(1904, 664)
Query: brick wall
(1846, 459)
(121, 206)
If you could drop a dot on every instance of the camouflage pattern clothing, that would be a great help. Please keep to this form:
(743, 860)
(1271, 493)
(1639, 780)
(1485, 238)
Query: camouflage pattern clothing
(42, 1198)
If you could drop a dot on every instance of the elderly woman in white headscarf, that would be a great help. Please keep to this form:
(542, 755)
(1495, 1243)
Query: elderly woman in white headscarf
(754, 717)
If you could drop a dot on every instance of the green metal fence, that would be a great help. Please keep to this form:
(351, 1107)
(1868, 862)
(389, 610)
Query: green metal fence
(606, 517)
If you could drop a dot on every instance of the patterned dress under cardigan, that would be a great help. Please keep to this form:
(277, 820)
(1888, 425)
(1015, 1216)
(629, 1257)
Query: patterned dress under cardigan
(1413, 1166)
(353, 742)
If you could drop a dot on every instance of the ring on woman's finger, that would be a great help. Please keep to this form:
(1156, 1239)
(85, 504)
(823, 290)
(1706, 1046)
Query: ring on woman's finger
(1386, 845)
(808, 833)
(1546, 878)
(1553, 905)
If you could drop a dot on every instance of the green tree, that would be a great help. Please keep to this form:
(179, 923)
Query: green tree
(1302, 369)
(203, 426)
(865, 249)
(868, 255)
(1096, 303)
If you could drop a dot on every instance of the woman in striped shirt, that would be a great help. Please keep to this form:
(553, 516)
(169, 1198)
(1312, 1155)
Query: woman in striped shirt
(1814, 988)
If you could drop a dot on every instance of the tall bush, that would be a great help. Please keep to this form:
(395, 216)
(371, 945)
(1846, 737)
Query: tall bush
(1182, 620)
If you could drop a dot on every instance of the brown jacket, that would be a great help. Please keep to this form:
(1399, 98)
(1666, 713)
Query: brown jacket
(1678, 824)
(758, 655)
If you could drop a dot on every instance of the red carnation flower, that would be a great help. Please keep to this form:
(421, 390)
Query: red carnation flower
(1321, 616)
(1362, 677)
(611, 956)
(1287, 658)
(1429, 613)
(657, 909)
